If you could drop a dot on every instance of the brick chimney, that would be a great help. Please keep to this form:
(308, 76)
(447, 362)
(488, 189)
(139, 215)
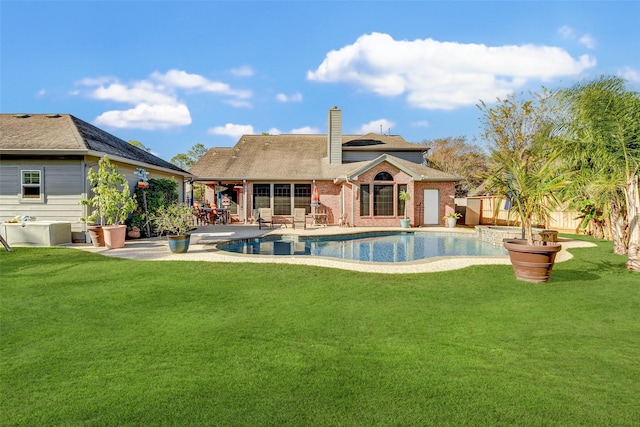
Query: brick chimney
(334, 136)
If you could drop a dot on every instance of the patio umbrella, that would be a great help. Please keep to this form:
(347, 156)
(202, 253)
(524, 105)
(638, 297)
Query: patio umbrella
(315, 197)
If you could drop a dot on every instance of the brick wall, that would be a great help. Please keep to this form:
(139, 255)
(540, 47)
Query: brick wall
(332, 196)
(446, 194)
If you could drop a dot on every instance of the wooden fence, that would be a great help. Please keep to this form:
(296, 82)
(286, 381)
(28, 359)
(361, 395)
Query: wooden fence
(481, 211)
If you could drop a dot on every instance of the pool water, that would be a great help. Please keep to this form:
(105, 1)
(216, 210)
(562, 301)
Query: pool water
(373, 247)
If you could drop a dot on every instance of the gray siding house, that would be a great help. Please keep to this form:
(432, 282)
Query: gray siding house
(44, 160)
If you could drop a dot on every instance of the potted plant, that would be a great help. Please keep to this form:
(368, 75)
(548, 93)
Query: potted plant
(134, 233)
(525, 170)
(530, 194)
(175, 220)
(97, 214)
(112, 200)
(451, 219)
(405, 197)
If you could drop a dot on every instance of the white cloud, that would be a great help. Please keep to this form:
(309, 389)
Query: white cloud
(296, 97)
(238, 103)
(274, 131)
(566, 32)
(41, 92)
(587, 41)
(137, 92)
(145, 116)
(444, 75)
(232, 130)
(243, 71)
(376, 126)
(155, 100)
(182, 79)
(96, 81)
(630, 74)
(305, 130)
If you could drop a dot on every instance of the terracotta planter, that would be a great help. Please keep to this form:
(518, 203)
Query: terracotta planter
(179, 244)
(114, 236)
(97, 235)
(134, 233)
(531, 263)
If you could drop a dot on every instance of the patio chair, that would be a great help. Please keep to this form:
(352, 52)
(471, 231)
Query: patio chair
(342, 221)
(321, 216)
(299, 216)
(265, 216)
(202, 216)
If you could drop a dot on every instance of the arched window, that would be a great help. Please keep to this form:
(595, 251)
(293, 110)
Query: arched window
(383, 176)
(383, 195)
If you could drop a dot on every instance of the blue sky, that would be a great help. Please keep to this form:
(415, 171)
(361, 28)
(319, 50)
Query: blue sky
(173, 74)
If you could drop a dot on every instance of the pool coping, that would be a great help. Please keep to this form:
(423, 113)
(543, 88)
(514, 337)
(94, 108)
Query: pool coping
(156, 249)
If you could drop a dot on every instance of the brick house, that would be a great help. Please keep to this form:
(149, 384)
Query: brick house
(358, 177)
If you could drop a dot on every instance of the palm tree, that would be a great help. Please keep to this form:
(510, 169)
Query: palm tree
(522, 166)
(531, 180)
(600, 134)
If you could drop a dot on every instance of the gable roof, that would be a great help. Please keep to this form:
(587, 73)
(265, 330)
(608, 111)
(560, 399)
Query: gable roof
(65, 134)
(418, 172)
(304, 157)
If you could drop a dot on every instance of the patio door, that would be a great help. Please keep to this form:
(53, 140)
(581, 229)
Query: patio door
(431, 207)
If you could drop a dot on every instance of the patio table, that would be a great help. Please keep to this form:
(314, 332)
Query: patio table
(282, 219)
(319, 219)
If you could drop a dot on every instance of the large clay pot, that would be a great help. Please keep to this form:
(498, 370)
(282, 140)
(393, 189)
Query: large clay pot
(531, 263)
(134, 233)
(97, 235)
(114, 236)
(179, 244)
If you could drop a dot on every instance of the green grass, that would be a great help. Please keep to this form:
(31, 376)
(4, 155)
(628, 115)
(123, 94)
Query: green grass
(89, 340)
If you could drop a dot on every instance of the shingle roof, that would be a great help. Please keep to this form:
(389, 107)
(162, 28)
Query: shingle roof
(376, 142)
(265, 157)
(65, 132)
(419, 172)
(301, 157)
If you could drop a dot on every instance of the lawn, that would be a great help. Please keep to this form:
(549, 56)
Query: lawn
(88, 340)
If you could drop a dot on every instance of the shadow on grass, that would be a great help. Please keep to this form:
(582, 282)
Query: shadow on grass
(573, 275)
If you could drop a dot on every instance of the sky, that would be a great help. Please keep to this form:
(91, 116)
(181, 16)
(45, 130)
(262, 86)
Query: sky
(172, 74)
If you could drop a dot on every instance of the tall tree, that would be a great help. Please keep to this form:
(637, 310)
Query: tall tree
(601, 135)
(140, 145)
(458, 157)
(522, 166)
(188, 159)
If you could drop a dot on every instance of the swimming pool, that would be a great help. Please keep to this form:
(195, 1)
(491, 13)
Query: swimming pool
(372, 247)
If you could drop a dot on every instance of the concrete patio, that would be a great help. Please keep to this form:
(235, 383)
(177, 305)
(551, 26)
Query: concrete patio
(204, 239)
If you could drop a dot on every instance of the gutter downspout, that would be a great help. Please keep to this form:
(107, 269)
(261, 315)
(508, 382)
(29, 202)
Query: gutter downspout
(244, 201)
(85, 209)
(353, 201)
(345, 180)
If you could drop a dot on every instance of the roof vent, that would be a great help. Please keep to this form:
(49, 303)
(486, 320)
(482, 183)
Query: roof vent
(21, 116)
(53, 116)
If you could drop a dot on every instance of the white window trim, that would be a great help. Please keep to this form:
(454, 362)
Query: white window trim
(39, 199)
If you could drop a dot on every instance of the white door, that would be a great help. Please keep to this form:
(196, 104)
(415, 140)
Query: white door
(431, 207)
